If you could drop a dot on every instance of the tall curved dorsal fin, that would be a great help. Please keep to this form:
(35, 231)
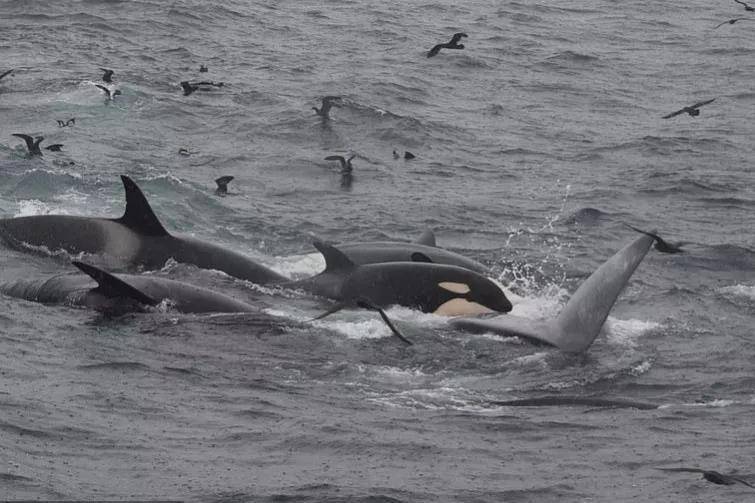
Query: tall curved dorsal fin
(335, 259)
(427, 238)
(112, 286)
(139, 216)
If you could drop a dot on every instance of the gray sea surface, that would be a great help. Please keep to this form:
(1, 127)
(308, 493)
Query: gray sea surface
(533, 146)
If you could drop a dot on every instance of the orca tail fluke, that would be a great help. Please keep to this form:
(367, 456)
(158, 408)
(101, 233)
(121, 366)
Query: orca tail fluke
(580, 321)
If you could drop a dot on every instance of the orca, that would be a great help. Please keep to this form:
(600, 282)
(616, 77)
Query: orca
(397, 251)
(431, 288)
(137, 239)
(122, 292)
(580, 321)
(116, 294)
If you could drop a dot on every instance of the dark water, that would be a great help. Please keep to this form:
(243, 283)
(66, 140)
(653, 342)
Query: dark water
(533, 145)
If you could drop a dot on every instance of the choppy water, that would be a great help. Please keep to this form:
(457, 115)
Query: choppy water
(533, 145)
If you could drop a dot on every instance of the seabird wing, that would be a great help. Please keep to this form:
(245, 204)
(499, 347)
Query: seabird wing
(55, 147)
(337, 158)
(28, 139)
(698, 105)
(455, 39)
(674, 114)
(105, 89)
(682, 469)
(435, 50)
(6, 73)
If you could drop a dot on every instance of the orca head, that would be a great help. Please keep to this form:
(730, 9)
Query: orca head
(475, 294)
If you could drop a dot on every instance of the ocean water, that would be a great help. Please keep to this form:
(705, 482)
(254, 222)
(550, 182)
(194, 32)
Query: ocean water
(534, 145)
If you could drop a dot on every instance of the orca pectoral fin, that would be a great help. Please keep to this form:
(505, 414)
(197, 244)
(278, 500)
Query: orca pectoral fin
(427, 238)
(332, 310)
(139, 216)
(111, 286)
(364, 303)
(580, 321)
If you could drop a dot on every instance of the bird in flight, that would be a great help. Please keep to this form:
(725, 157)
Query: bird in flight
(327, 104)
(711, 476)
(747, 7)
(6, 73)
(110, 95)
(453, 44)
(108, 76)
(732, 21)
(692, 110)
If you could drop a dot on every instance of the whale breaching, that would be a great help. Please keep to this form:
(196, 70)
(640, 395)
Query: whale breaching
(693, 110)
(453, 44)
(223, 182)
(108, 76)
(711, 476)
(110, 94)
(732, 21)
(327, 104)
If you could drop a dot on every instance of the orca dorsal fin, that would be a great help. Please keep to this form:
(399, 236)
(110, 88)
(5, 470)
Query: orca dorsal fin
(427, 238)
(139, 216)
(421, 257)
(335, 259)
(112, 286)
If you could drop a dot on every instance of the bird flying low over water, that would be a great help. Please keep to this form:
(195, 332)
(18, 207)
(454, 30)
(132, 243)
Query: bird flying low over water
(108, 76)
(691, 110)
(711, 476)
(732, 21)
(223, 182)
(6, 73)
(32, 144)
(110, 94)
(346, 166)
(67, 123)
(747, 7)
(327, 104)
(190, 87)
(452, 44)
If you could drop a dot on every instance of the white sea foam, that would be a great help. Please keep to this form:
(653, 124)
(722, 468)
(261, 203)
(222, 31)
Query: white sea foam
(746, 291)
(626, 332)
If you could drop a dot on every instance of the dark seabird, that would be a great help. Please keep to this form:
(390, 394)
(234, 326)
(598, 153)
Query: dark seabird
(660, 245)
(69, 122)
(453, 44)
(202, 69)
(692, 110)
(223, 182)
(747, 7)
(327, 104)
(55, 147)
(346, 167)
(185, 151)
(108, 76)
(711, 476)
(732, 21)
(110, 95)
(32, 144)
(190, 87)
(4, 74)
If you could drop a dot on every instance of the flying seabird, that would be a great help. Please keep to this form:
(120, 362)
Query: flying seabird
(66, 123)
(692, 110)
(327, 104)
(346, 167)
(747, 7)
(32, 144)
(711, 476)
(108, 76)
(453, 44)
(190, 87)
(732, 21)
(202, 69)
(660, 244)
(223, 182)
(110, 95)
(6, 73)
